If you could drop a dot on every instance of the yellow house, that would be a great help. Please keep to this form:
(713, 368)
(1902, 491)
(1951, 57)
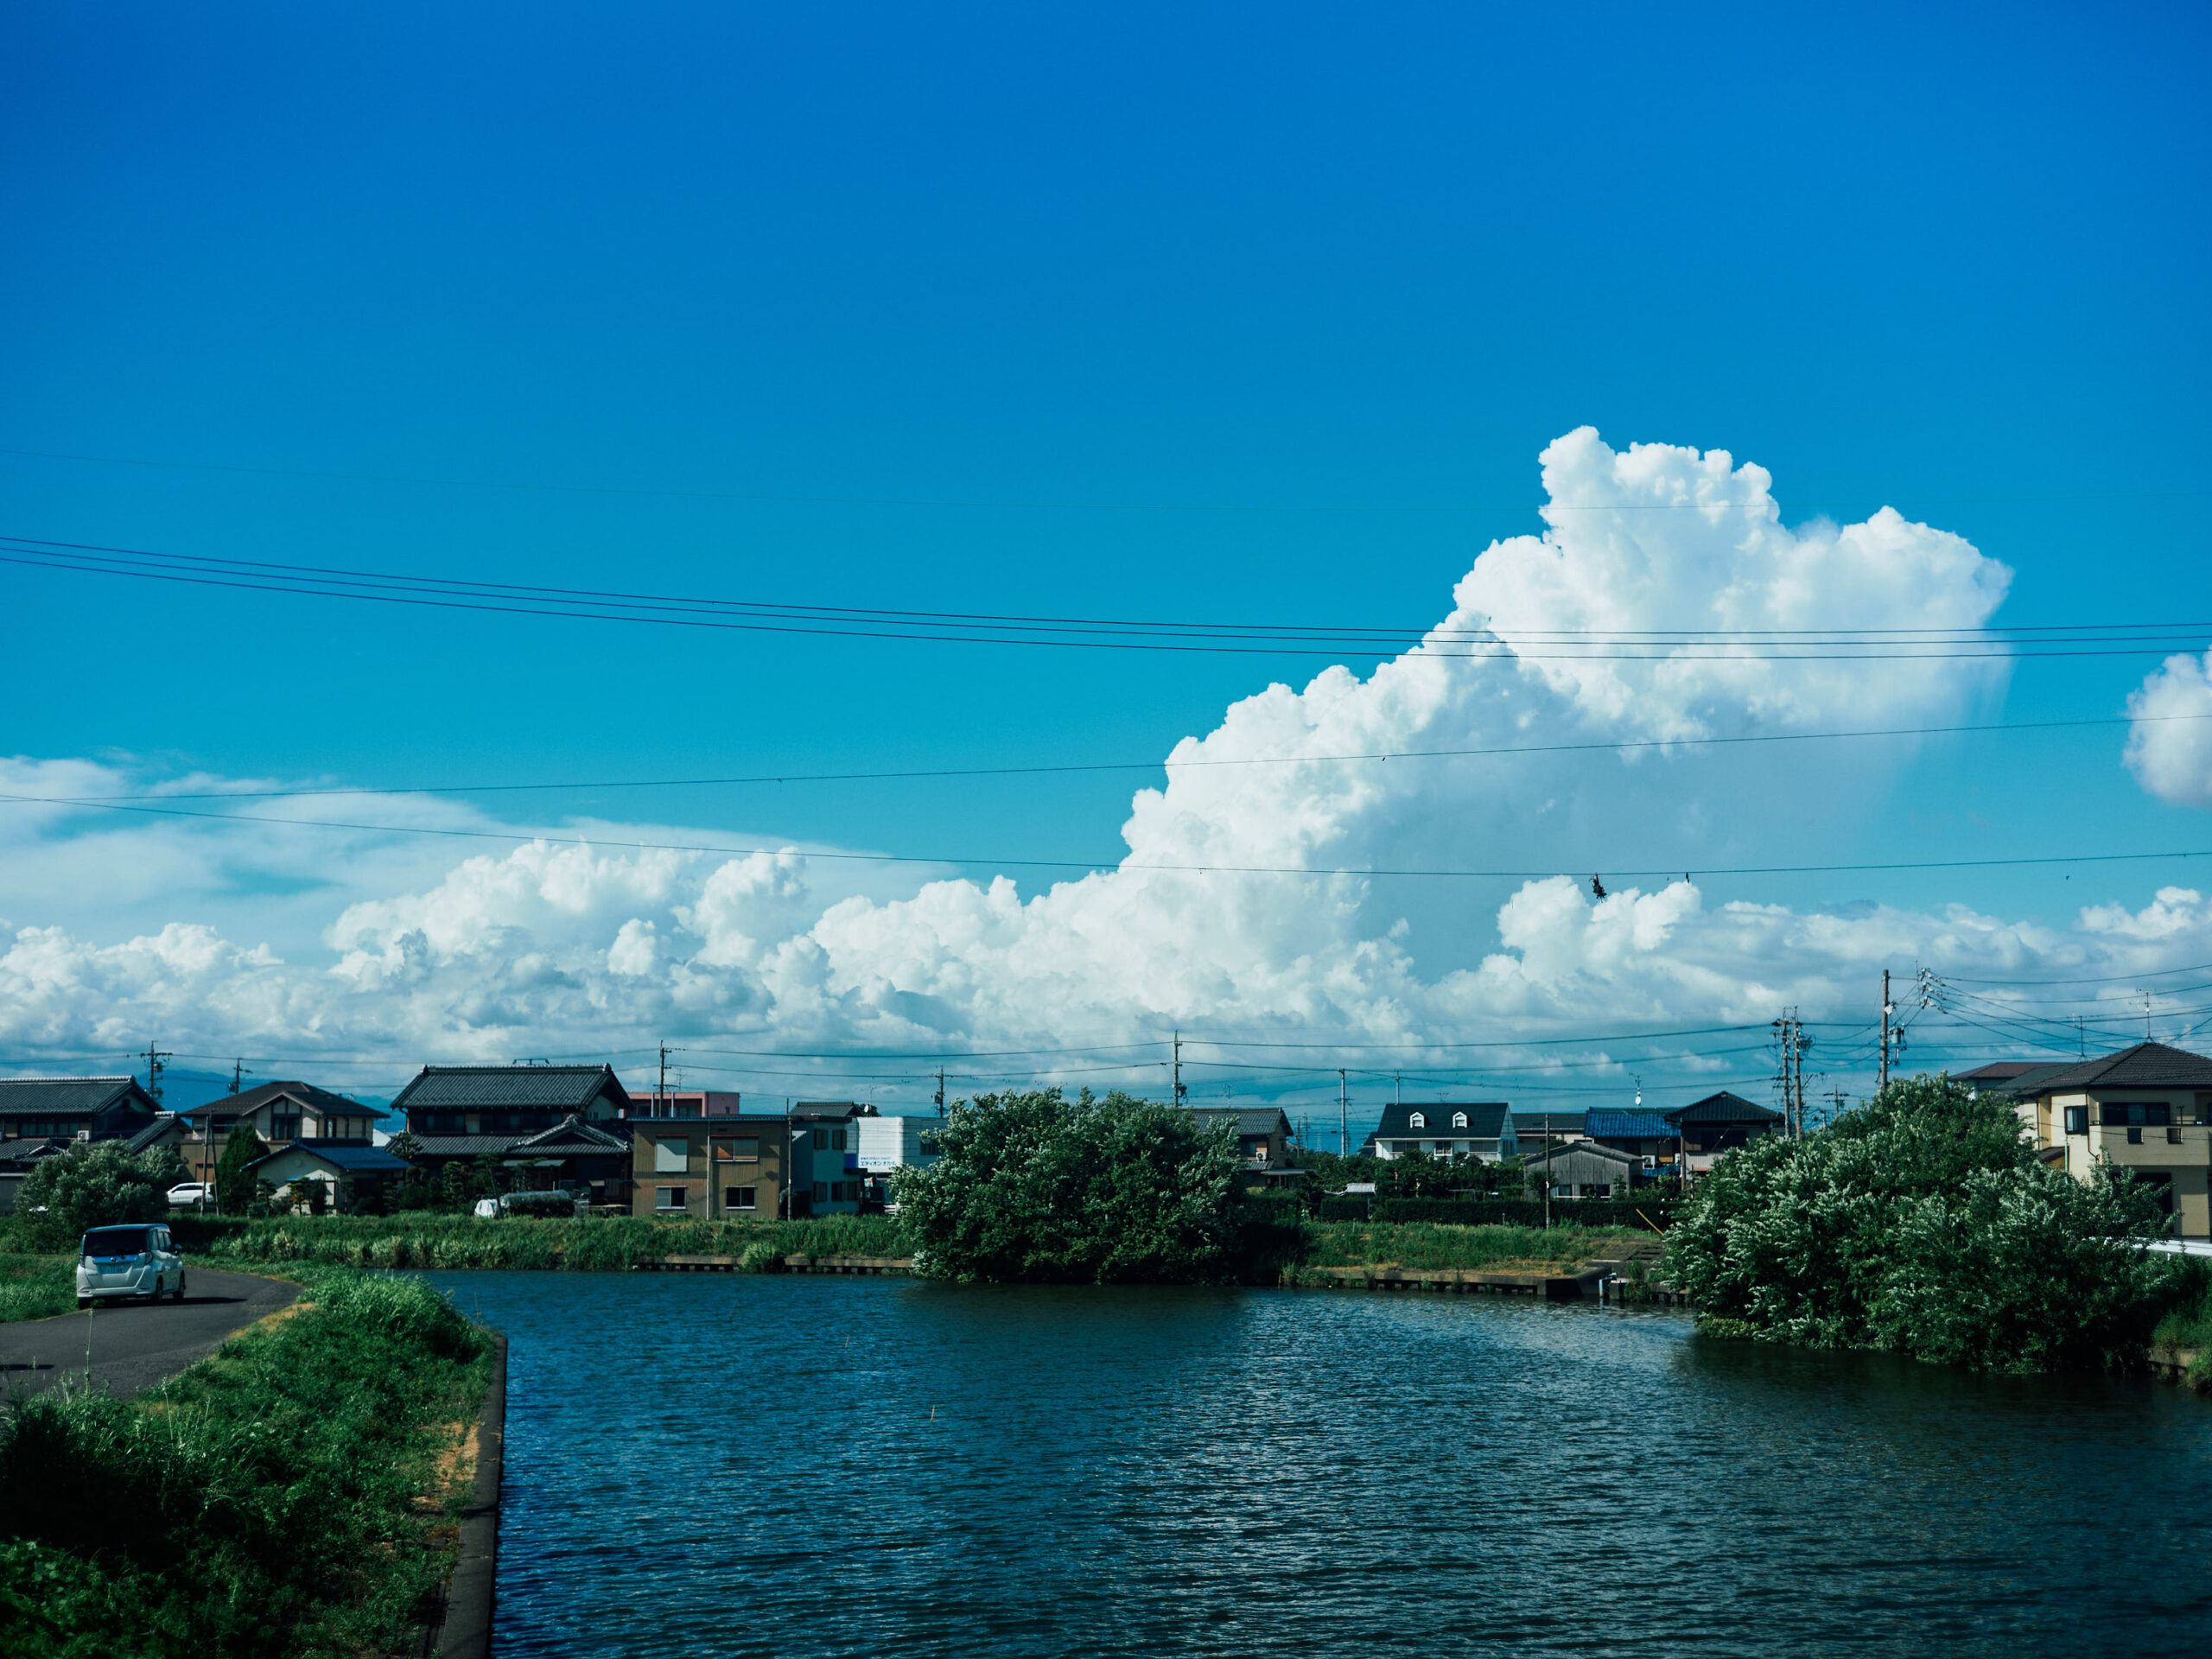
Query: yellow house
(2147, 1109)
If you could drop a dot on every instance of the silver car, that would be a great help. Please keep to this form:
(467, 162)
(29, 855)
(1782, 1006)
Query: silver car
(135, 1261)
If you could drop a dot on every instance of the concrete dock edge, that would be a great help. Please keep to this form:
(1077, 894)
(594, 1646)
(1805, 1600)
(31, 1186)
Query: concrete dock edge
(467, 1631)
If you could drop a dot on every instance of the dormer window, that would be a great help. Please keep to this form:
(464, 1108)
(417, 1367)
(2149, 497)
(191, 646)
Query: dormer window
(1417, 1122)
(1459, 1120)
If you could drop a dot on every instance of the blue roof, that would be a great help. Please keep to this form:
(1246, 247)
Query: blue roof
(359, 1159)
(1627, 1126)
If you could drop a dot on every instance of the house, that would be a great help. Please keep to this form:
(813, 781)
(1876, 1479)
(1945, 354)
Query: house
(2147, 1110)
(1716, 1124)
(358, 1177)
(278, 1114)
(1262, 1136)
(569, 1126)
(1483, 1129)
(1538, 1129)
(1648, 1136)
(721, 1167)
(684, 1102)
(888, 1143)
(73, 1109)
(826, 1175)
(1583, 1169)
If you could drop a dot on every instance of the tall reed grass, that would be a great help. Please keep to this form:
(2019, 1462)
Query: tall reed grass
(599, 1244)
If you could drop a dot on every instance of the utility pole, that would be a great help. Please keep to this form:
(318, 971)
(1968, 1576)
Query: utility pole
(237, 1077)
(153, 1069)
(1178, 1068)
(660, 1089)
(940, 1091)
(1343, 1123)
(1883, 1080)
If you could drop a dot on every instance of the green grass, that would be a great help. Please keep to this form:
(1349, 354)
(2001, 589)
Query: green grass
(2191, 1327)
(268, 1503)
(36, 1287)
(1440, 1244)
(600, 1244)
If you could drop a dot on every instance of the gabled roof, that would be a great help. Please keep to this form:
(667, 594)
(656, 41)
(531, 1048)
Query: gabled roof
(573, 1134)
(2024, 1085)
(830, 1111)
(1996, 1071)
(1581, 1149)
(354, 1160)
(2146, 1065)
(22, 1153)
(540, 1088)
(162, 1123)
(70, 1096)
(1485, 1119)
(1626, 1126)
(253, 1099)
(1723, 1107)
(1261, 1121)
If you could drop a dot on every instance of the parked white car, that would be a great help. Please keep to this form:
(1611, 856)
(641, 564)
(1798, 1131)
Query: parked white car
(192, 1195)
(136, 1261)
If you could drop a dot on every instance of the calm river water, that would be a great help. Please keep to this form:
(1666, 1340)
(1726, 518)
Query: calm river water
(725, 1465)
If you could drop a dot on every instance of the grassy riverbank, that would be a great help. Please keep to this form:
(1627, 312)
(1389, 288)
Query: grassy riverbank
(291, 1496)
(1433, 1244)
(600, 1244)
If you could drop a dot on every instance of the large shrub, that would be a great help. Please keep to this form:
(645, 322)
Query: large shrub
(96, 1184)
(1037, 1187)
(1924, 1223)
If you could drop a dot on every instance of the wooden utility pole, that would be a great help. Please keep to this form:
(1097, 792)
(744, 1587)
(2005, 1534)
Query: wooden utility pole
(940, 1091)
(1344, 1122)
(153, 1069)
(1178, 1068)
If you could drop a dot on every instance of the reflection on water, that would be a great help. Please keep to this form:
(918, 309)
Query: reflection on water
(721, 1465)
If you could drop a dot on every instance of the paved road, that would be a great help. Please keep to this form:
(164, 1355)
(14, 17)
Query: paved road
(135, 1346)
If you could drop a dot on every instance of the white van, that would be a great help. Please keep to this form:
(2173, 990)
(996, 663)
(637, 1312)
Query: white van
(135, 1261)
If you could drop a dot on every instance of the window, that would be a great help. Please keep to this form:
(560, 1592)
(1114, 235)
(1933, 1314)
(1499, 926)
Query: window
(740, 1198)
(746, 1149)
(822, 1140)
(2138, 1114)
(1417, 1122)
(284, 1126)
(2077, 1120)
(688, 1108)
(672, 1197)
(671, 1157)
(1459, 1120)
(441, 1123)
(836, 1140)
(821, 1189)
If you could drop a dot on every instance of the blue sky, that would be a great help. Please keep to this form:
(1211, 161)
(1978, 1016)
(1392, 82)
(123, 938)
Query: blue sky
(1216, 313)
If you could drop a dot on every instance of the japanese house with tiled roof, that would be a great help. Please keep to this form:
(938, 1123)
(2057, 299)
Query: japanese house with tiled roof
(1447, 1129)
(1717, 1124)
(42, 1117)
(2147, 1110)
(545, 1126)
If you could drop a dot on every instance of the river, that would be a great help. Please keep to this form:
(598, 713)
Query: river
(711, 1465)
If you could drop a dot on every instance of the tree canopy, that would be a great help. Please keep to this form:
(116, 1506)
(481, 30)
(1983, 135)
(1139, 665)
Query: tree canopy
(98, 1185)
(1035, 1188)
(1924, 1223)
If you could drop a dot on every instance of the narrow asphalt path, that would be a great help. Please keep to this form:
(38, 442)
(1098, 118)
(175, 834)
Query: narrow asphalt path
(134, 1345)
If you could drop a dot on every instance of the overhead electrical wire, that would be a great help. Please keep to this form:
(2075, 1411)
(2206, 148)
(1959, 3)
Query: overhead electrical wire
(1168, 764)
(91, 803)
(1847, 644)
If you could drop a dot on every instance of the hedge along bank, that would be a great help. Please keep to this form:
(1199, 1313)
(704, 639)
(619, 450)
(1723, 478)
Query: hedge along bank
(293, 1495)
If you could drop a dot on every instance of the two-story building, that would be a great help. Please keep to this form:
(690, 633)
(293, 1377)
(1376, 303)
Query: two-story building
(277, 1114)
(1544, 1126)
(2146, 1110)
(1263, 1134)
(1479, 1128)
(550, 1126)
(827, 1178)
(1645, 1135)
(42, 1117)
(724, 1166)
(1719, 1123)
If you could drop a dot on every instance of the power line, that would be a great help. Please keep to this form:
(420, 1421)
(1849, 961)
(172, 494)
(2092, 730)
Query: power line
(92, 803)
(2121, 639)
(1001, 504)
(1169, 765)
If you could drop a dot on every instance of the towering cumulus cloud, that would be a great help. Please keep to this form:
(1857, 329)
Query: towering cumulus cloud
(1254, 893)
(2169, 742)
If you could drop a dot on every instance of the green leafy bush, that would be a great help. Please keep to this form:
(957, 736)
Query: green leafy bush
(235, 1185)
(1923, 1223)
(1036, 1187)
(96, 1184)
(262, 1503)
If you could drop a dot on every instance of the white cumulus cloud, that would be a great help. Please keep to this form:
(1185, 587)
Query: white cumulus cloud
(2169, 742)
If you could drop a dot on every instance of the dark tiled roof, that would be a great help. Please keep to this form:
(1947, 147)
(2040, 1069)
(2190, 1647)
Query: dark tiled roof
(2021, 1085)
(1995, 1072)
(1723, 1107)
(830, 1111)
(67, 1097)
(306, 1093)
(1626, 1126)
(573, 1134)
(356, 1160)
(1581, 1149)
(155, 1130)
(2146, 1065)
(1248, 1122)
(1485, 1119)
(20, 1154)
(464, 1146)
(546, 1088)
(1529, 1122)
(542, 1144)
